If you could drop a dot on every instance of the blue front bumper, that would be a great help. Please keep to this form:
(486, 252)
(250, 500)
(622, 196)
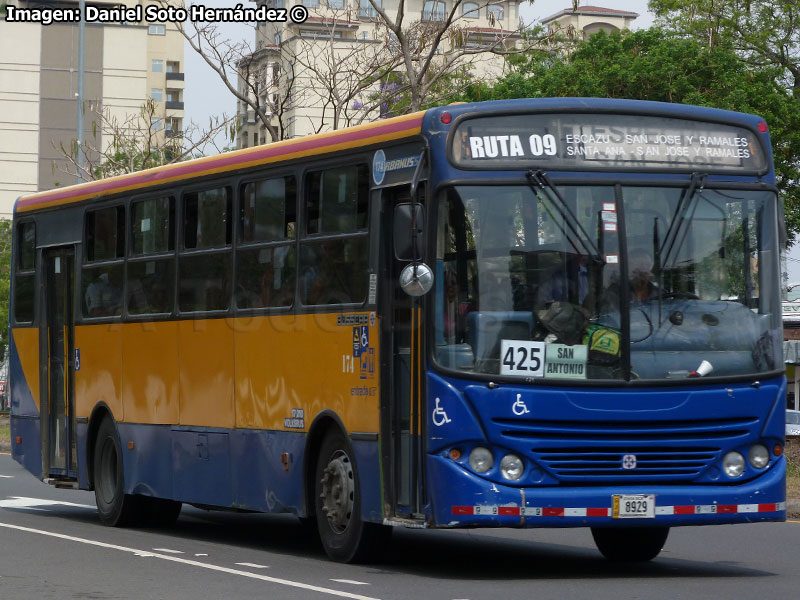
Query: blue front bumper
(475, 502)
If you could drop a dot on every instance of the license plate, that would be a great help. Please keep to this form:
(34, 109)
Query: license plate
(634, 506)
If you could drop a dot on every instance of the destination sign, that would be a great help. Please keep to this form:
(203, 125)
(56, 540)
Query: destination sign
(589, 141)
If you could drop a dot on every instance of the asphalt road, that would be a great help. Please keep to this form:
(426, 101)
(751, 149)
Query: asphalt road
(52, 546)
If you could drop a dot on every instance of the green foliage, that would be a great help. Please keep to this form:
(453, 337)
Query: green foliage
(5, 282)
(655, 65)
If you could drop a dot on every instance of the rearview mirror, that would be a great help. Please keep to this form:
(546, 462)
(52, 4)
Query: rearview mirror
(403, 232)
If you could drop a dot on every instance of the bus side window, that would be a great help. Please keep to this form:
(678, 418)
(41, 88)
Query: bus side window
(102, 273)
(334, 271)
(151, 268)
(205, 262)
(25, 275)
(265, 259)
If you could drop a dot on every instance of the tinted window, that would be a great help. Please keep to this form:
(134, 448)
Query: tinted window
(204, 282)
(152, 227)
(268, 210)
(337, 200)
(102, 291)
(265, 277)
(105, 233)
(334, 271)
(24, 297)
(207, 218)
(150, 286)
(27, 246)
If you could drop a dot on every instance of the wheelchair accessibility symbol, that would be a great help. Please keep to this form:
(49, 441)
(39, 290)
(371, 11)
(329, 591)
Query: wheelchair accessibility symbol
(439, 415)
(519, 408)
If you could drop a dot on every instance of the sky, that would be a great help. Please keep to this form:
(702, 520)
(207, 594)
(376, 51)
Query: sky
(206, 96)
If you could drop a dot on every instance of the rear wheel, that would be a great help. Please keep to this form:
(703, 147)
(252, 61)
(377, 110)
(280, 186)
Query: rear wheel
(630, 544)
(114, 507)
(345, 537)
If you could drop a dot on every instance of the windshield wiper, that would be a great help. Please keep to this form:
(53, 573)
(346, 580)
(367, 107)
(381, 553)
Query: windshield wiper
(540, 180)
(681, 211)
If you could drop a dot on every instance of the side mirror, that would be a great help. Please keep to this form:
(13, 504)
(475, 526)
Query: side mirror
(403, 231)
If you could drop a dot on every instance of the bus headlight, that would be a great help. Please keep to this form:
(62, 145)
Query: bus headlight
(481, 460)
(511, 467)
(733, 464)
(758, 456)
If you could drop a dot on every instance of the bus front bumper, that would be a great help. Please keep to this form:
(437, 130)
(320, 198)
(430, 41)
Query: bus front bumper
(460, 498)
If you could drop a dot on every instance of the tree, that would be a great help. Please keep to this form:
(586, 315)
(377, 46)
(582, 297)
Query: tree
(655, 65)
(765, 33)
(397, 63)
(135, 142)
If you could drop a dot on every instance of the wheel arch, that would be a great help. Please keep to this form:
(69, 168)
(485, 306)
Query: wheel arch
(324, 422)
(99, 413)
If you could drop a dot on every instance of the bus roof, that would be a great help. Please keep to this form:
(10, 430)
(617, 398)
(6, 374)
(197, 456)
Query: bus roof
(344, 139)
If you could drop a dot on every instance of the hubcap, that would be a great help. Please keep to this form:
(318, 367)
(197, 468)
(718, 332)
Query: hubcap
(338, 491)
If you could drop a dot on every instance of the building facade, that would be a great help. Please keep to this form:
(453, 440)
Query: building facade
(125, 64)
(339, 39)
(292, 61)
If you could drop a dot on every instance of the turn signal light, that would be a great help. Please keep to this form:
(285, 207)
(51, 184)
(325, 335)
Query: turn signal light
(455, 453)
(18, 439)
(446, 118)
(131, 445)
(777, 450)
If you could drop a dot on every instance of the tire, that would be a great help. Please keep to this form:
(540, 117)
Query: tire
(630, 544)
(345, 537)
(115, 508)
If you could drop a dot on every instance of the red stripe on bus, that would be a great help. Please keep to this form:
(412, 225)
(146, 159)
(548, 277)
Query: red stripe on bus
(767, 507)
(508, 510)
(727, 508)
(549, 511)
(463, 510)
(596, 512)
(683, 510)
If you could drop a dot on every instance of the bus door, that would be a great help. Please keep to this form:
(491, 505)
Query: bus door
(57, 366)
(401, 336)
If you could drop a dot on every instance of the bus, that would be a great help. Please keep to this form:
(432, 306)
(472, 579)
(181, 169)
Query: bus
(524, 313)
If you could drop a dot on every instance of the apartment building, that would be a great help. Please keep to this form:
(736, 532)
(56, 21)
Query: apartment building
(339, 33)
(587, 20)
(125, 64)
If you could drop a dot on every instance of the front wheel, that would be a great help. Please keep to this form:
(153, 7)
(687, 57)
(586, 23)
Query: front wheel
(345, 537)
(630, 544)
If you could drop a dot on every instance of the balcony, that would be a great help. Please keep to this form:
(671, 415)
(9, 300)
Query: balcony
(174, 105)
(173, 134)
(174, 76)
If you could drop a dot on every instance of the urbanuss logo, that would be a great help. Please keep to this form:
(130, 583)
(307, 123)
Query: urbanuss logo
(379, 167)
(629, 462)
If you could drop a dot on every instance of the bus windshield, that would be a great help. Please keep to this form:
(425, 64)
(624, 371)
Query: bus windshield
(519, 293)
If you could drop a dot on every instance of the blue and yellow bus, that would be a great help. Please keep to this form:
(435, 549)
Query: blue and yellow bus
(528, 313)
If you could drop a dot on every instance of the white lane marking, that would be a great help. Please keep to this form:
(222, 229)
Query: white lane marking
(253, 565)
(350, 581)
(194, 563)
(34, 503)
(168, 550)
(6, 477)
(201, 554)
